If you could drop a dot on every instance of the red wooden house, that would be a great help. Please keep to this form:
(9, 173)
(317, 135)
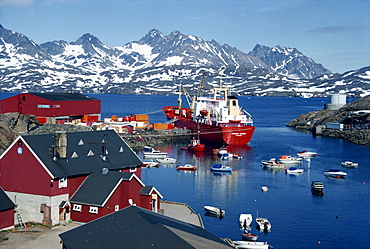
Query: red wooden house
(44, 171)
(101, 193)
(54, 107)
(6, 211)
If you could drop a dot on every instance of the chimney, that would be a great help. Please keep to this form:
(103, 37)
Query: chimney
(61, 143)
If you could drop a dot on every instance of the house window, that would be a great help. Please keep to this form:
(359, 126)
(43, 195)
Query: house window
(77, 207)
(116, 207)
(62, 182)
(93, 210)
(133, 169)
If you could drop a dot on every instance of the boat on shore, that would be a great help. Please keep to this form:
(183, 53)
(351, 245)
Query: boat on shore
(186, 167)
(221, 168)
(349, 164)
(217, 119)
(214, 210)
(251, 244)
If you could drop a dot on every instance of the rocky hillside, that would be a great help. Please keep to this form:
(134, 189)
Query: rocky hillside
(14, 124)
(355, 116)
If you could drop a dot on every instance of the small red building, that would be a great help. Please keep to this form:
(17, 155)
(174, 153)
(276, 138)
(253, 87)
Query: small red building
(54, 107)
(6, 211)
(102, 193)
(44, 171)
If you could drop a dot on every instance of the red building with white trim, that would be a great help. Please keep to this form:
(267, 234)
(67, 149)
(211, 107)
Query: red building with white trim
(54, 107)
(44, 171)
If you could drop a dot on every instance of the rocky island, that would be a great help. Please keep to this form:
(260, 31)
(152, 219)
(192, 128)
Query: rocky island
(350, 122)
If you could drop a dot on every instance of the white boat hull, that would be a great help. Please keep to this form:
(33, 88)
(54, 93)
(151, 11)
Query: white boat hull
(251, 245)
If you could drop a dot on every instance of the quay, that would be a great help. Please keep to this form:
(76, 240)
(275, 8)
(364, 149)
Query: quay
(151, 137)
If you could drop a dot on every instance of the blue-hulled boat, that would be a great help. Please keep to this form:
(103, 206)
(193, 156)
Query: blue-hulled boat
(221, 168)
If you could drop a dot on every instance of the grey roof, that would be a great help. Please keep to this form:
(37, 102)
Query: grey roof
(135, 227)
(146, 190)
(5, 202)
(84, 153)
(63, 96)
(97, 187)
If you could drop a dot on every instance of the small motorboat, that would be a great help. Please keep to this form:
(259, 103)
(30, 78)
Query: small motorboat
(349, 164)
(236, 156)
(317, 188)
(251, 244)
(166, 160)
(152, 153)
(186, 167)
(249, 236)
(263, 224)
(306, 153)
(285, 159)
(151, 164)
(272, 164)
(195, 145)
(214, 210)
(335, 173)
(221, 168)
(294, 170)
(265, 188)
(245, 220)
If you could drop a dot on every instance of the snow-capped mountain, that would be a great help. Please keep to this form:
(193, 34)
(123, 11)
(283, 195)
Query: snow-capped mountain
(289, 62)
(158, 64)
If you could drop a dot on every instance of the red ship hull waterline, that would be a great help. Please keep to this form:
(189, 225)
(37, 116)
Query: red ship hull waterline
(216, 118)
(230, 133)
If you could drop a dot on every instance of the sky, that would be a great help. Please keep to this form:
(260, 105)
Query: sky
(335, 33)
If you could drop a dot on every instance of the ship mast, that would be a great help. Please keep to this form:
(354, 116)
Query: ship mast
(179, 99)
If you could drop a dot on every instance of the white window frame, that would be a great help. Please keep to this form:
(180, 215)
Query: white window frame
(93, 210)
(116, 207)
(133, 169)
(62, 182)
(77, 207)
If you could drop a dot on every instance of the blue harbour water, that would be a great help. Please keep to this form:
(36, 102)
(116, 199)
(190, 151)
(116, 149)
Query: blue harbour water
(338, 219)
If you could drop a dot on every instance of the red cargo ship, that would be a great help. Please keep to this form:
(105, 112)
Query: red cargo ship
(217, 118)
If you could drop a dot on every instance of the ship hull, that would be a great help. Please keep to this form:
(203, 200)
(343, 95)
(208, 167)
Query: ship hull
(232, 135)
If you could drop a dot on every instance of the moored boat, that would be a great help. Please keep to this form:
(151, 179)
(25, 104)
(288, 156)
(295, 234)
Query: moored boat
(317, 188)
(335, 173)
(251, 244)
(306, 153)
(249, 236)
(152, 153)
(272, 164)
(349, 164)
(166, 160)
(221, 168)
(245, 220)
(195, 145)
(214, 210)
(186, 167)
(218, 118)
(150, 164)
(263, 224)
(286, 159)
(294, 170)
